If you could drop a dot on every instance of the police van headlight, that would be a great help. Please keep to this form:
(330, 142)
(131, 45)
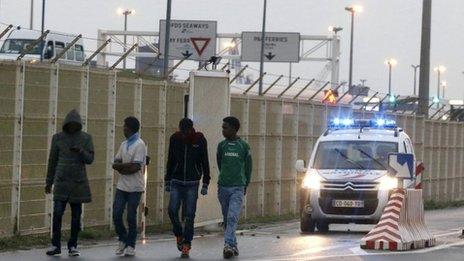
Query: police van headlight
(387, 183)
(312, 181)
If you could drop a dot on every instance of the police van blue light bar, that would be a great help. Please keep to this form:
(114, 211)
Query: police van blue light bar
(348, 123)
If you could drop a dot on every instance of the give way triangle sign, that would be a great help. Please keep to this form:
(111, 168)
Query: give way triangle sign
(200, 44)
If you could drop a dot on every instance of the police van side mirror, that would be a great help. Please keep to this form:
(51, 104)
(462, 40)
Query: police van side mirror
(300, 166)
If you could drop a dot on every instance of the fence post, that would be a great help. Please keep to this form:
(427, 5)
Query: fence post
(246, 133)
(17, 147)
(294, 158)
(461, 160)
(52, 121)
(83, 111)
(84, 101)
(454, 162)
(110, 132)
(278, 163)
(262, 155)
(162, 149)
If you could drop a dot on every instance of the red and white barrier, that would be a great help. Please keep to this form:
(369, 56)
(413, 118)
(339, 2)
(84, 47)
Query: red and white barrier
(402, 225)
(419, 169)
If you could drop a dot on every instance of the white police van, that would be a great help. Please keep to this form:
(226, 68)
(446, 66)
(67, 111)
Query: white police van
(346, 180)
(19, 39)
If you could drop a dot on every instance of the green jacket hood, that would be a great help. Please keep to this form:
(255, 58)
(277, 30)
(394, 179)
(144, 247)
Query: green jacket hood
(73, 116)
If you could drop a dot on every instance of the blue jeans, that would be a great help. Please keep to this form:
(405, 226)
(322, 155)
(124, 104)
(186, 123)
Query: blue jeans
(132, 200)
(187, 195)
(58, 210)
(231, 199)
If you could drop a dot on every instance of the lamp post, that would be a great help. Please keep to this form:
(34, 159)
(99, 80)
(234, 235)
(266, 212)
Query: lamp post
(415, 67)
(439, 69)
(126, 13)
(391, 63)
(444, 84)
(352, 10)
(42, 30)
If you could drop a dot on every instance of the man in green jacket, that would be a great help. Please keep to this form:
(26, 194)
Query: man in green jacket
(234, 163)
(70, 151)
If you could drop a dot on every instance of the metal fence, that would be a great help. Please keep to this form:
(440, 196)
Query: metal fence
(35, 98)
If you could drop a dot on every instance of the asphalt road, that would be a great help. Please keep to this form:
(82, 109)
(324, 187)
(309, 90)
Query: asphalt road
(282, 241)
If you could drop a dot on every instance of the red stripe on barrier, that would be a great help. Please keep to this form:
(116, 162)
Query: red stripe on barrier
(386, 231)
(389, 224)
(370, 244)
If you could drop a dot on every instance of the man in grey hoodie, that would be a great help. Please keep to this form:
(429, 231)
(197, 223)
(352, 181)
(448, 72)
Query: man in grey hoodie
(70, 151)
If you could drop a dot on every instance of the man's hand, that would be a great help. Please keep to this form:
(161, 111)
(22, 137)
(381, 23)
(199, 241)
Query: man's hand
(48, 189)
(76, 149)
(204, 190)
(167, 186)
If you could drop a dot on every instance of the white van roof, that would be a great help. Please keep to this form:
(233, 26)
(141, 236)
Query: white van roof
(33, 34)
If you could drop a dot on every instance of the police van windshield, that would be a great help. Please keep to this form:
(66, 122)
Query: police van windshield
(372, 155)
(17, 45)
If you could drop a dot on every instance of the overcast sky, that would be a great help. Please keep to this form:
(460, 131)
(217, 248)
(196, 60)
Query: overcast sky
(385, 29)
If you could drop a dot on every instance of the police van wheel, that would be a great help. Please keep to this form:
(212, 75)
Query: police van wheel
(307, 224)
(323, 226)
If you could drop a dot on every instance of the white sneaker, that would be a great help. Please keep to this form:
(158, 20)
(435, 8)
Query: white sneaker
(120, 249)
(129, 251)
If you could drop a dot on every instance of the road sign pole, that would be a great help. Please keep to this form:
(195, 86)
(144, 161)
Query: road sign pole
(166, 40)
(261, 64)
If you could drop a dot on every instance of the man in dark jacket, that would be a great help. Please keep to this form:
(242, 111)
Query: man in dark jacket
(187, 164)
(70, 151)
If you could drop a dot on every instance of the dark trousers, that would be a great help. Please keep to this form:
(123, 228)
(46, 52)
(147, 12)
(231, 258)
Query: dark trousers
(58, 211)
(132, 200)
(187, 195)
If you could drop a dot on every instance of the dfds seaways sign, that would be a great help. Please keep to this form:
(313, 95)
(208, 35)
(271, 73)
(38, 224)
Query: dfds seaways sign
(194, 40)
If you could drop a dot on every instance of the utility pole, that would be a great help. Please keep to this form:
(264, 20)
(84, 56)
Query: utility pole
(425, 58)
(166, 40)
(42, 30)
(261, 63)
(31, 22)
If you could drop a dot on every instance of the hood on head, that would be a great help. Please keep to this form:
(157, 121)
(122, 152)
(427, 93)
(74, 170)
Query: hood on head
(73, 116)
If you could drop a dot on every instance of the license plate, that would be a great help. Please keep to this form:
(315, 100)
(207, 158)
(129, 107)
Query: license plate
(348, 203)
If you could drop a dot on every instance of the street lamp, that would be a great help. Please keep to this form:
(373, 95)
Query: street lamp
(415, 67)
(352, 9)
(126, 13)
(391, 63)
(439, 69)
